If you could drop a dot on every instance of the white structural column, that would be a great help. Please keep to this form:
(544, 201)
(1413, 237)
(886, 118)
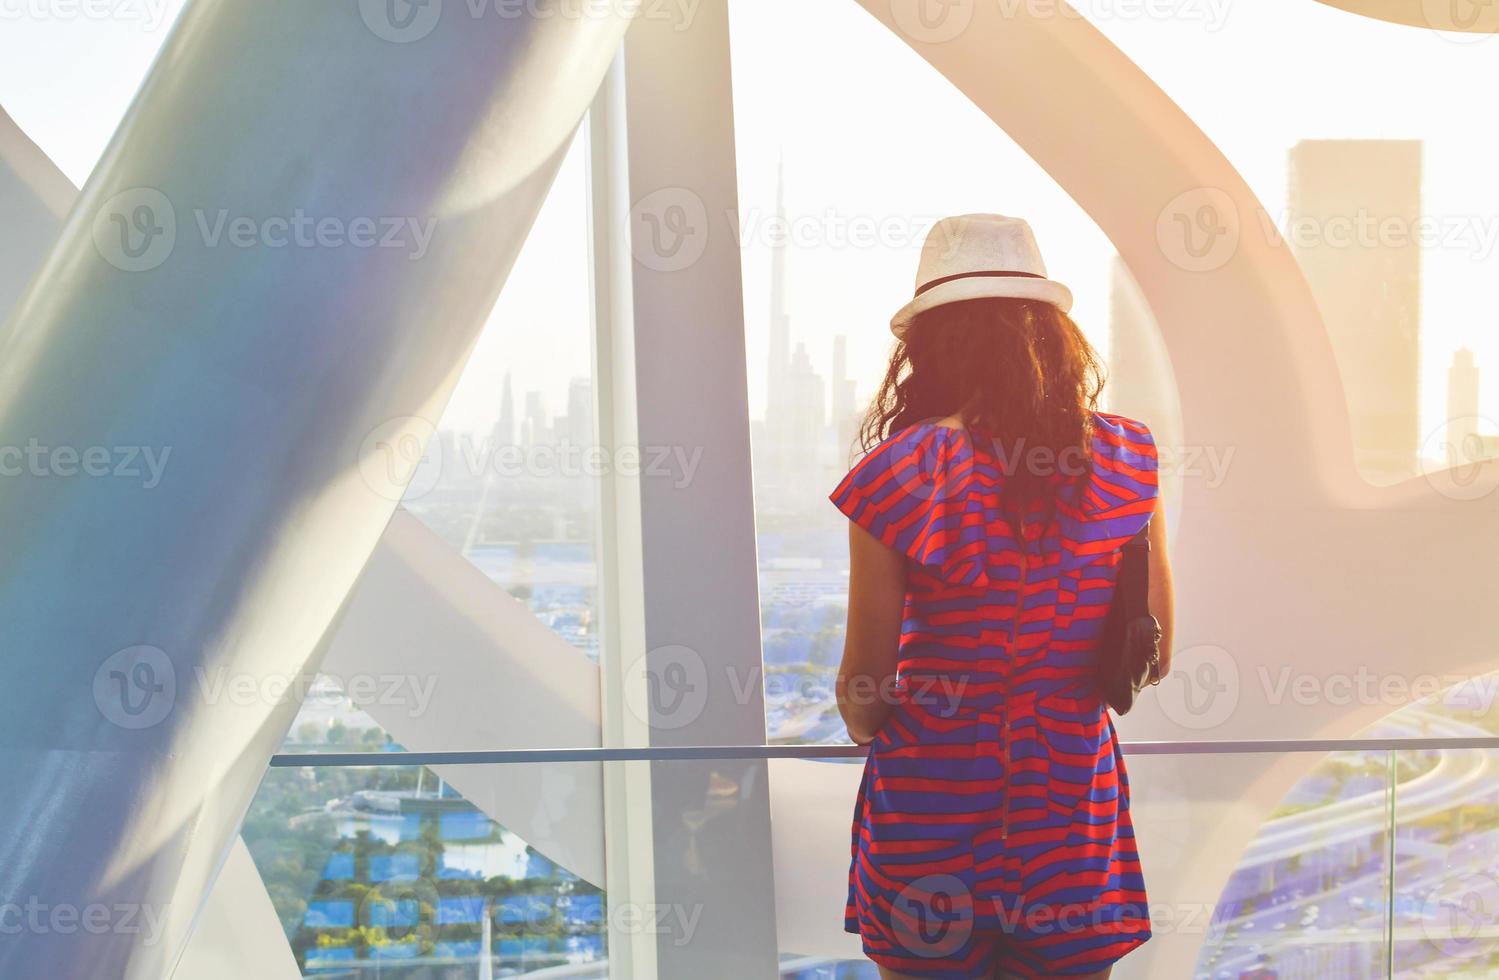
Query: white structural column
(626, 814)
(237, 928)
(228, 367)
(689, 643)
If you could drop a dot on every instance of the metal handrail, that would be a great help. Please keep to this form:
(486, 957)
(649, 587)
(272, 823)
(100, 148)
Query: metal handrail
(689, 753)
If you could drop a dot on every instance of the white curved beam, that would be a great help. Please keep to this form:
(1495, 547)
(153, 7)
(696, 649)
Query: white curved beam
(270, 373)
(1457, 16)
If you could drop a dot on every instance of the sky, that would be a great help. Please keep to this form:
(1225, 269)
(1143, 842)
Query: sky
(872, 137)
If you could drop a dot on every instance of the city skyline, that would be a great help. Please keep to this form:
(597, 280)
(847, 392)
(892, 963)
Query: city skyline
(1373, 284)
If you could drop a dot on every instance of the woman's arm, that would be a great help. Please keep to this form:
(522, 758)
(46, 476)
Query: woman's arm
(871, 647)
(1162, 593)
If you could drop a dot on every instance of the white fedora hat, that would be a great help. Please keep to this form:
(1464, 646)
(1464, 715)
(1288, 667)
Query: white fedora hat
(975, 256)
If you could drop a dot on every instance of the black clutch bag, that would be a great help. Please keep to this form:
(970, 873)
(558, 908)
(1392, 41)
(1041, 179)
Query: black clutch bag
(1129, 654)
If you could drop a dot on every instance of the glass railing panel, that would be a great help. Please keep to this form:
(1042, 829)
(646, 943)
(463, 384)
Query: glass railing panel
(1263, 865)
(1257, 864)
(389, 872)
(1446, 854)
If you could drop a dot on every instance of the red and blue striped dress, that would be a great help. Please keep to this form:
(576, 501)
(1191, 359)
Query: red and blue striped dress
(992, 823)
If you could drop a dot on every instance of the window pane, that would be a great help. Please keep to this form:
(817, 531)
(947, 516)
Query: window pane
(1309, 895)
(1321, 884)
(509, 482)
(836, 195)
(504, 481)
(1446, 892)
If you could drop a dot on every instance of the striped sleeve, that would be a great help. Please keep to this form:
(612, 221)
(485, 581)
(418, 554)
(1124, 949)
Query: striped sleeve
(1123, 485)
(909, 493)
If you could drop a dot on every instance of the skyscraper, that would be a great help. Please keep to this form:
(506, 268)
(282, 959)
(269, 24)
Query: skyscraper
(504, 427)
(845, 412)
(806, 413)
(534, 428)
(580, 412)
(1353, 213)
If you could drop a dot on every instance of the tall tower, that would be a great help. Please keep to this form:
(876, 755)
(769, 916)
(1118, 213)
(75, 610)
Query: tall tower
(1462, 409)
(504, 428)
(580, 412)
(1344, 196)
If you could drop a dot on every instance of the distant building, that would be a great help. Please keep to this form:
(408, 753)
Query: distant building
(503, 433)
(806, 415)
(534, 428)
(843, 385)
(1353, 213)
(579, 429)
(798, 443)
(845, 410)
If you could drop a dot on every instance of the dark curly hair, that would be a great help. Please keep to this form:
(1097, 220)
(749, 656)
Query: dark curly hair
(1020, 372)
